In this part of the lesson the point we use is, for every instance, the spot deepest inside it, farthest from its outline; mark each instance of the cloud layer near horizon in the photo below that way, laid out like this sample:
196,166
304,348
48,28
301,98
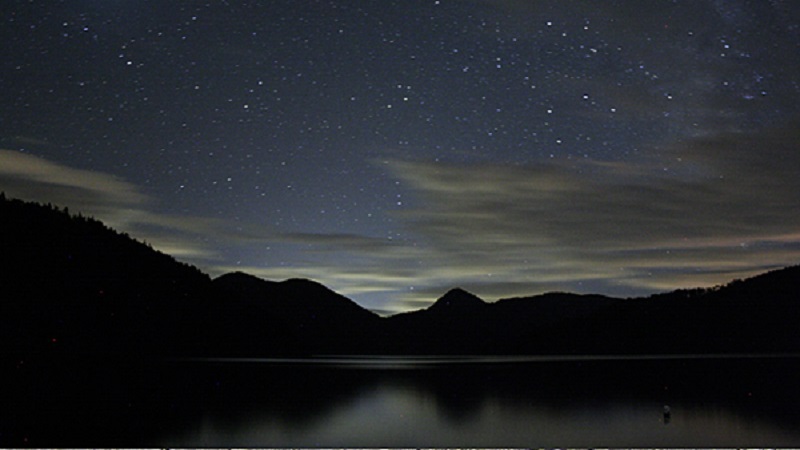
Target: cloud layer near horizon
725,207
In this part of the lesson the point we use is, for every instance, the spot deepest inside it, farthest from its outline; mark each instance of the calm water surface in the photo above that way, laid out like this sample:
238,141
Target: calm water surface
403,402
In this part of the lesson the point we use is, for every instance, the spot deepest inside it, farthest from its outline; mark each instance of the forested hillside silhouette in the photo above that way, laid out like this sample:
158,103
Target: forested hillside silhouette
72,287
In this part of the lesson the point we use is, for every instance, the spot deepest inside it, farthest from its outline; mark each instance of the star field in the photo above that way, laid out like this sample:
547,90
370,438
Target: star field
392,150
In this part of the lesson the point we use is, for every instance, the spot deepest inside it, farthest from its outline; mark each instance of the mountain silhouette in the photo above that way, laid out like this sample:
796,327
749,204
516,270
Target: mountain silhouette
295,299
71,285
457,301
72,288
317,319
455,323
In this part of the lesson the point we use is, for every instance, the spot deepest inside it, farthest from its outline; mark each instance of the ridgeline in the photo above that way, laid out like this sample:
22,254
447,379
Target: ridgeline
73,288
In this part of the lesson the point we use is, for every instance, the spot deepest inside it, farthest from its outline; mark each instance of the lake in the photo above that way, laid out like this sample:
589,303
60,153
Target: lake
407,402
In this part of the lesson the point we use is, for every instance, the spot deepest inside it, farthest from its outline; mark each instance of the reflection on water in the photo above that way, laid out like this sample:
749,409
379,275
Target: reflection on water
358,402
400,418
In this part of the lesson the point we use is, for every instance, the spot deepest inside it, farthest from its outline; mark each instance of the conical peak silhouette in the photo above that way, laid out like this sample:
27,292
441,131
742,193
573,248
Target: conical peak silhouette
458,298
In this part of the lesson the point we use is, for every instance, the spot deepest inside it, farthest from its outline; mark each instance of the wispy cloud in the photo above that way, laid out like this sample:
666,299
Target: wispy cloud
29,174
116,202
725,206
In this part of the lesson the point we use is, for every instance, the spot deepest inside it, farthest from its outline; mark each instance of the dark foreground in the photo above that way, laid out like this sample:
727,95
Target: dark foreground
428,402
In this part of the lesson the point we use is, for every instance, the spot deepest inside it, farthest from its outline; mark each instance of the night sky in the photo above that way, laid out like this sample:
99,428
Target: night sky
392,150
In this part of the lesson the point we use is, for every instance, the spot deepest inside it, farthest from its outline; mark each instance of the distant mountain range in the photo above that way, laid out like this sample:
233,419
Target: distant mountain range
72,287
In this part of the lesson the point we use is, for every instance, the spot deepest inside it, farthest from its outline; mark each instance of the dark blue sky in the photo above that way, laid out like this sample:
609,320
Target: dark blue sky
392,150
